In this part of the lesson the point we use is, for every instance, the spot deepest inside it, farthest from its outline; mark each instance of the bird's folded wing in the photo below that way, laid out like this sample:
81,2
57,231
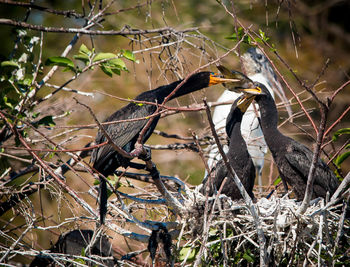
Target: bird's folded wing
301,158
120,132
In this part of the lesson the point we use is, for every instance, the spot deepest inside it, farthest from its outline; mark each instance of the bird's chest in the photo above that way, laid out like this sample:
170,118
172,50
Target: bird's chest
279,156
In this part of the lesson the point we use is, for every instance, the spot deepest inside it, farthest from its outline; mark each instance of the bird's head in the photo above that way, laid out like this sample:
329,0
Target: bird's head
239,83
259,68
238,108
257,63
244,101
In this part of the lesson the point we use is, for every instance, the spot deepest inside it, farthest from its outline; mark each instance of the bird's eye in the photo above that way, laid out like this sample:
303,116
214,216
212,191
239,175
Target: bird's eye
259,57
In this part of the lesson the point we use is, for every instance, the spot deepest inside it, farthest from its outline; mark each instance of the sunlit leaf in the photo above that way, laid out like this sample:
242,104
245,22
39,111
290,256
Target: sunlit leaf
10,63
59,61
277,181
82,57
7,102
340,132
263,35
239,35
129,55
84,50
35,115
83,252
184,251
340,159
117,62
103,56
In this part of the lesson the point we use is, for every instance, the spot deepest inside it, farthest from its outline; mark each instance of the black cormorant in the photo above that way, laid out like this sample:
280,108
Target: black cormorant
293,159
237,154
125,134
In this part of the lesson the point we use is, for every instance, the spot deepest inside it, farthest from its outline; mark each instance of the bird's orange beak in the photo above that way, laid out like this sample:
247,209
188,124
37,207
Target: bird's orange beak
216,78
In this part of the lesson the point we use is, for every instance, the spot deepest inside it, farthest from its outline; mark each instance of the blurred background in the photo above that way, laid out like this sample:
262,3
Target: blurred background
305,34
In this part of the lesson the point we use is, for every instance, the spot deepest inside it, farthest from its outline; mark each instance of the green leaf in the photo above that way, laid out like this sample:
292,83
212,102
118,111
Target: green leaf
107,70
82,57
213,231
10,63
248,257
103,56
35,115
273,48
277,181
114,181
84,50
340,132
117,62
27,81
184,251
83,252
263,35
7,102
59,61
340,159
129,55
239,35
47,121
116,71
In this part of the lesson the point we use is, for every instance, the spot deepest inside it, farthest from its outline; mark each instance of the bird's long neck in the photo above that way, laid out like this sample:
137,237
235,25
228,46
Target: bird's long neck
237,144
238,152
269,118
194,83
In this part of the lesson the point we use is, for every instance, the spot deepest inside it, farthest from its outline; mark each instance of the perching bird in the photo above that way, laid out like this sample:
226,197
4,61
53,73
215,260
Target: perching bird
257,68
125,134
293,159
237,154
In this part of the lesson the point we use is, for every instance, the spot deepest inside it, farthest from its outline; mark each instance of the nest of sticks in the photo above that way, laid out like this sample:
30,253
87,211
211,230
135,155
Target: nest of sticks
219,231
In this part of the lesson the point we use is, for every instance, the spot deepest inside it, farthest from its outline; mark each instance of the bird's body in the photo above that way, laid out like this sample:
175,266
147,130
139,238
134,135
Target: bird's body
238,156
125,134
250,128
260,70
293,159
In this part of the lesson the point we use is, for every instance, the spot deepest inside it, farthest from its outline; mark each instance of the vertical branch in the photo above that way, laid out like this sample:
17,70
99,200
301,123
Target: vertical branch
315,157
248,201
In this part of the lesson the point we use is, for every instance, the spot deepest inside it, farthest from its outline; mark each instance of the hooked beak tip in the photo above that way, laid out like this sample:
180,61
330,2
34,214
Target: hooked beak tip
252,91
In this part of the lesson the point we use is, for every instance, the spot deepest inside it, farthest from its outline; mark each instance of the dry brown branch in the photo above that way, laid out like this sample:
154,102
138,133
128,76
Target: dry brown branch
68,13
91,32
248,201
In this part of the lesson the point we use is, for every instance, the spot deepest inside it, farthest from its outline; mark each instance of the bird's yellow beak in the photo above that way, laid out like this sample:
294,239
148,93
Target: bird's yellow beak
252,91
245,102
216,78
